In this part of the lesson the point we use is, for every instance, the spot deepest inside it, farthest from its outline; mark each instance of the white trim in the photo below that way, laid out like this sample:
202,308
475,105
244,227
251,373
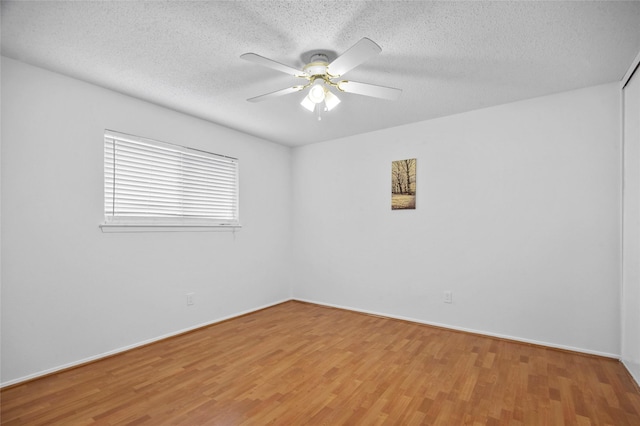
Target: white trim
111,227
629,73
134,345
347,308
467,330
635,374
621,217
635,66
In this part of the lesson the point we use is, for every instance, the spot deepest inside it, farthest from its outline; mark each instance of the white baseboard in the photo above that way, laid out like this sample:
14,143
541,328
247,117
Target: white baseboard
133,346
467,330
348,308
633,372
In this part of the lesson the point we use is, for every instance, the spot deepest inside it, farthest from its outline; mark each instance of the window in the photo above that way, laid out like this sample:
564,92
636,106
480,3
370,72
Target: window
150,183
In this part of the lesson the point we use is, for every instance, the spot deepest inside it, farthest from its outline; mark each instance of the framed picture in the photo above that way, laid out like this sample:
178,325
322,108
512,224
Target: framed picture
403,184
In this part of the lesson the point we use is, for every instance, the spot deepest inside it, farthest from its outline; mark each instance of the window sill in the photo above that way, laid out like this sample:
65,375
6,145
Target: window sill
157,227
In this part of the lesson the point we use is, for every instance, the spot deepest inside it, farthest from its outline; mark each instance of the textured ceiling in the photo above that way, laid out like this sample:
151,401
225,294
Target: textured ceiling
448,57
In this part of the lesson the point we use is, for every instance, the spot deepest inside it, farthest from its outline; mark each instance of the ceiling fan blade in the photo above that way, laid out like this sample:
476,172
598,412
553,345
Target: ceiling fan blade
373,90
261,60
357,54
276,94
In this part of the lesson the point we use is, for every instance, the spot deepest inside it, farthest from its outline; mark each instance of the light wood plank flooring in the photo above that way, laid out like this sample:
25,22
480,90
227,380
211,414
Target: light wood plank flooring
302,364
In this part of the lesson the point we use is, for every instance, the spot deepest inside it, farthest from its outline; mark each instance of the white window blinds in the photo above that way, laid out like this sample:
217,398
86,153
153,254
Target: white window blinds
150,182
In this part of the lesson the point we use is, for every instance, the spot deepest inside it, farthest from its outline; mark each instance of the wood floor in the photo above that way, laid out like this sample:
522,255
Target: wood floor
302,364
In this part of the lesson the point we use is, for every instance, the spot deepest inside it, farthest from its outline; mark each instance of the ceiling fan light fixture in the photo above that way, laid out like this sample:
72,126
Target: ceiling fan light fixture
321,76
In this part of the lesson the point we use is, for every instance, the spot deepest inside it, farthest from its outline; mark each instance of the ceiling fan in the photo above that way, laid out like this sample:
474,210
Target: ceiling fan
321,76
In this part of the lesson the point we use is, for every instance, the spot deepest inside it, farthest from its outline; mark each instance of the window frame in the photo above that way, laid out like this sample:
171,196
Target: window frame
128,223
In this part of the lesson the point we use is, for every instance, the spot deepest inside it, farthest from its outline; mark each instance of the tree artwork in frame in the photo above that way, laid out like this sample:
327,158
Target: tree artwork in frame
403,184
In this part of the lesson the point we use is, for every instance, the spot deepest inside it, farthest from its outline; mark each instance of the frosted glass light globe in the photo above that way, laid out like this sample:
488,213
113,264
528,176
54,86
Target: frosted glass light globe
316,94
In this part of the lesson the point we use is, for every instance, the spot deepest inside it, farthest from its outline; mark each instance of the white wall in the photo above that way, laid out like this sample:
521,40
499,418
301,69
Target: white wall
518,213
71,292
631,229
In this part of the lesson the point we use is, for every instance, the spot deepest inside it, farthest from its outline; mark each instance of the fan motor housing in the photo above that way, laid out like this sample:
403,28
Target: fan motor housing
318,63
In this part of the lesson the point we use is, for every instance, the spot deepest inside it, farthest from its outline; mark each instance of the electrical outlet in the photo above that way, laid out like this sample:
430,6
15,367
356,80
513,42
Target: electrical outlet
448,297
190,298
